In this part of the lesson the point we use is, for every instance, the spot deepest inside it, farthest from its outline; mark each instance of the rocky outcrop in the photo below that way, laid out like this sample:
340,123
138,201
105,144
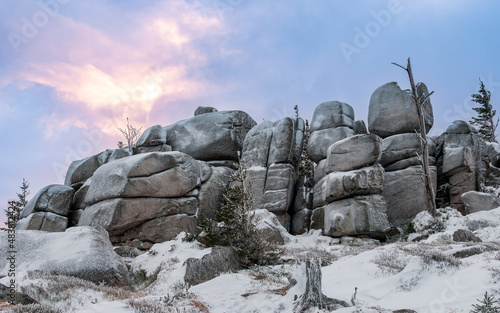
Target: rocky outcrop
331,122
363,215
83,252
339,185
271,154
152,139
347,201
148,197
459,163
393,111
48,210
210,136
80,170
405,193
203,110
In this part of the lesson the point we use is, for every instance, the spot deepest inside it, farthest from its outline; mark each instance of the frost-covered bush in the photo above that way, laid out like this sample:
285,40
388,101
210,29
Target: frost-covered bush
34,308
391,261
144,305
425,224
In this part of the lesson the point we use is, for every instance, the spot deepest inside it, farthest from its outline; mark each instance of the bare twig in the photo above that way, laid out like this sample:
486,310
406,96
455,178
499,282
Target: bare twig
131,134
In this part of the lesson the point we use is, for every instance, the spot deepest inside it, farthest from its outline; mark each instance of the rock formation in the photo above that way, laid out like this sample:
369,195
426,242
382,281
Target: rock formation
271,155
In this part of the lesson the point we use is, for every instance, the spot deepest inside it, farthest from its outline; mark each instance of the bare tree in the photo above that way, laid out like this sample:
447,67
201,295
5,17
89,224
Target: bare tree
419,102
131,134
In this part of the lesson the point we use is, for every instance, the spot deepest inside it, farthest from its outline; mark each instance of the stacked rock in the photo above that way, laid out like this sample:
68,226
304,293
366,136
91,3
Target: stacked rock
48,210
393,116
271,155
459,160
347,201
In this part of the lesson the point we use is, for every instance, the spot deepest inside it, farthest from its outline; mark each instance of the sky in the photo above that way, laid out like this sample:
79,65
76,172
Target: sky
71,71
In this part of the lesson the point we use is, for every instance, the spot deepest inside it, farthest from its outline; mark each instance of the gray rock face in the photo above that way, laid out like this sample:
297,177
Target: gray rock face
128,252
45,221
80,170
332,114
300,222
269,143
17,297
214,136
82,252
153,136
405,193
321,140
220,260
401,147
121,214
53,198
479,201
460,160
463,235
156,174
359,127
363,215
335,186
353,152
271,153
393,111
204,110
211,193
158,230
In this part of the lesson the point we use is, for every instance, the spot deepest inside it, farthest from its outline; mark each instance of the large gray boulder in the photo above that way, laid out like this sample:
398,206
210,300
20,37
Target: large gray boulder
80,170
53,198
321,140
352,153
153,136
155,174
335,186
121,214
45,221
393,111
83,252
204,110
300,222
362,215
479,201
405,193
278,142
221,260
403,149
157,230
332,114
214,136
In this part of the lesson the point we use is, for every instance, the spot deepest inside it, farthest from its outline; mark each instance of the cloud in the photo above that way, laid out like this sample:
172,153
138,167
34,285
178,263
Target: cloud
104,76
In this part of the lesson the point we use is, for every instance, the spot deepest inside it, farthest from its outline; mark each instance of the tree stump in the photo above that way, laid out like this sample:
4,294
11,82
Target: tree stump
313,296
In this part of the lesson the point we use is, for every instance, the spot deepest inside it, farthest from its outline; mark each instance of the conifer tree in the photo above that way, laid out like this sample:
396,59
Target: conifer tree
15,207
487,305
306,166
234,224
485,119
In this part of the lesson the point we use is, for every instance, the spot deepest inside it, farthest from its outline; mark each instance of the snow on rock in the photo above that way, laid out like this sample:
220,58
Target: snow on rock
83,252
483,219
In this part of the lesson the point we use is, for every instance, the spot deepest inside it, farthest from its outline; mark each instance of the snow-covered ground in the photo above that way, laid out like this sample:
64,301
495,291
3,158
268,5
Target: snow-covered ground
423,276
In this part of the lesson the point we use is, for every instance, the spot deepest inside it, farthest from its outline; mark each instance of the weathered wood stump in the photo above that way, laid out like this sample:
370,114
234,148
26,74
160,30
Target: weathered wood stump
313,296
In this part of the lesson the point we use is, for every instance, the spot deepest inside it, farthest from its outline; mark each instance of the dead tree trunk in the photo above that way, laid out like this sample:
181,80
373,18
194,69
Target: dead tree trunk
313,296
419,102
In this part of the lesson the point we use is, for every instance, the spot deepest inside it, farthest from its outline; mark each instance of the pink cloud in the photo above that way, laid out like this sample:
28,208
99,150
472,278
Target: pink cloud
101,78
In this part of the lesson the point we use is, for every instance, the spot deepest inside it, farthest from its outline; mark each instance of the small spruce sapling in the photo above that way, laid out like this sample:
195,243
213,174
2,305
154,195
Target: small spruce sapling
15,207
487,305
